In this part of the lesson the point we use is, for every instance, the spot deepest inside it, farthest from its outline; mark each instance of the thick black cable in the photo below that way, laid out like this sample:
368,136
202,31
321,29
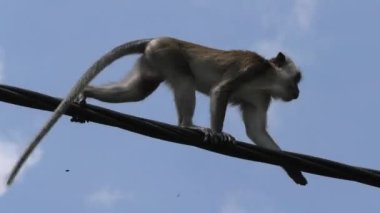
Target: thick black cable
167,132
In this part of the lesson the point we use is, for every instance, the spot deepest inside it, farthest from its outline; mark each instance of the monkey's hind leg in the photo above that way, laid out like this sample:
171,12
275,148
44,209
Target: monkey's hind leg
133,89
139,84
184,96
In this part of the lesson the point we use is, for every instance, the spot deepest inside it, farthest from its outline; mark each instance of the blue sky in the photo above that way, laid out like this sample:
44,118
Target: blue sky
46,45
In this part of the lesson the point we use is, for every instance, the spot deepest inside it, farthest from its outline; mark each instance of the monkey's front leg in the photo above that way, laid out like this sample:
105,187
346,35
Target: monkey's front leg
184,95
218,106
255,122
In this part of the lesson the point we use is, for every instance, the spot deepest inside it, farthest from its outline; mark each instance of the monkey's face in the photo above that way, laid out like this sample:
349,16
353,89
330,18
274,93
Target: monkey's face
286,79
286,89
290,90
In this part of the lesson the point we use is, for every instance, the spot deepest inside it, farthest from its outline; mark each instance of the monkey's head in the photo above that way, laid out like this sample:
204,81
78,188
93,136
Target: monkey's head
286,78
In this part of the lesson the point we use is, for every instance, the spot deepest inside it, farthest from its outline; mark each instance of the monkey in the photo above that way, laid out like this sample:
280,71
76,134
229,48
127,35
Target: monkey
238,77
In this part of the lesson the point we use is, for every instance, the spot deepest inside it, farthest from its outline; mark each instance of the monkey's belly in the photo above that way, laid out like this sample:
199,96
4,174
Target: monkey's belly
206,77
203,88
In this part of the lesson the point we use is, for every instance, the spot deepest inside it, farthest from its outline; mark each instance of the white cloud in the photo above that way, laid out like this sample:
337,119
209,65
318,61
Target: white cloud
304,13
106,197
246,201
9,154
284,24
232,207
270,47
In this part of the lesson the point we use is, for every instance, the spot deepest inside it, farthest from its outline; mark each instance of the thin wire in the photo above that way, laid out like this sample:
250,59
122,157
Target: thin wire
171,133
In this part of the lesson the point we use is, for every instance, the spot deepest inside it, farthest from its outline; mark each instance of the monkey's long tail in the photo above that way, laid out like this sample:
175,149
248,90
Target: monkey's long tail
138,46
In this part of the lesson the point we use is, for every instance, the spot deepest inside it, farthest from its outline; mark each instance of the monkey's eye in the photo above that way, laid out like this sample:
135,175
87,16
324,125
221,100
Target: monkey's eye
298,77
290,87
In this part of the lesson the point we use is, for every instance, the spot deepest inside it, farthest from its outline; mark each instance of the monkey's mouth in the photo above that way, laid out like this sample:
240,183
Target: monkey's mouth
283,98
288,98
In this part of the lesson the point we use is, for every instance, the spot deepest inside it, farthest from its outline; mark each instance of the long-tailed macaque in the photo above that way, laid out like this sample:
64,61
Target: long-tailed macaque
239,77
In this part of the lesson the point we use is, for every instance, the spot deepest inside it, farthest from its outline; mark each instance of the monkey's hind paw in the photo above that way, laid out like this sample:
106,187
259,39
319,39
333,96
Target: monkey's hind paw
79,119
81,101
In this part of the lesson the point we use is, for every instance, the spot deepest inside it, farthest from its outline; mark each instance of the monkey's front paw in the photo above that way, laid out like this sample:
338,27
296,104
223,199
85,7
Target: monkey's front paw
215,138
297,176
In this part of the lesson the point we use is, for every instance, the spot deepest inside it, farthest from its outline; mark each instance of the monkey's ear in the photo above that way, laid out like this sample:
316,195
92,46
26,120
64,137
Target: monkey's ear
280,59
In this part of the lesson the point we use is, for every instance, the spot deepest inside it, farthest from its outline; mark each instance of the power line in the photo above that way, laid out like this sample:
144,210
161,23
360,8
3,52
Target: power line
171,133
